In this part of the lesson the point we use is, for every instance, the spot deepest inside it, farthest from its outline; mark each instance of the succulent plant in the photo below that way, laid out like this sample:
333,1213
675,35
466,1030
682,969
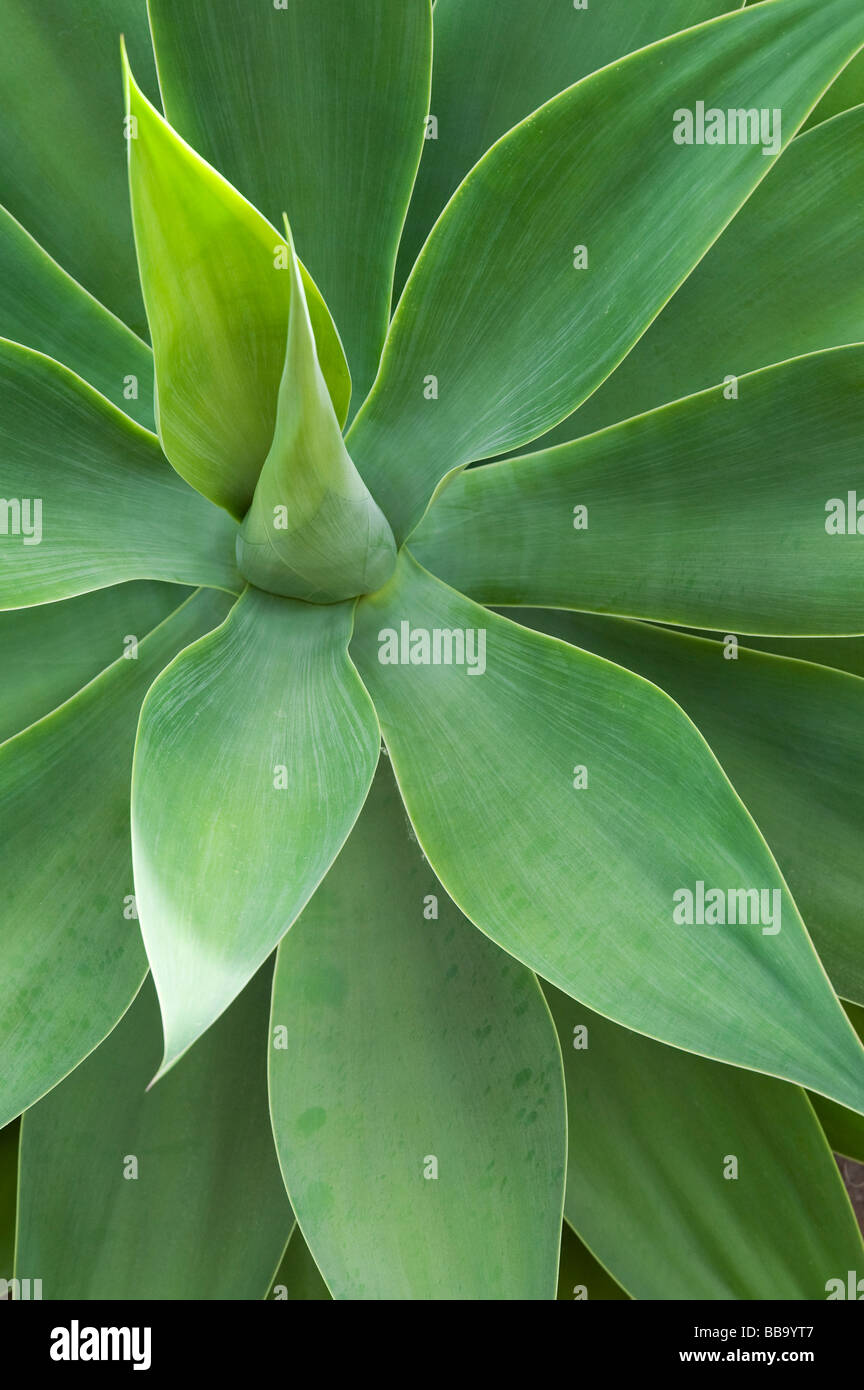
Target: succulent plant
266,401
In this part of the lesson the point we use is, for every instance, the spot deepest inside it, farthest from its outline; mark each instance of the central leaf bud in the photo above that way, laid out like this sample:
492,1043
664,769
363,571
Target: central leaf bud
313,531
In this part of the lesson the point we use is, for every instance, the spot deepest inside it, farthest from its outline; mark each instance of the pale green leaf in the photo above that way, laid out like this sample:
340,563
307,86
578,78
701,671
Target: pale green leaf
88,497
415,1085
173,1193
215,274
738,511
264,734
693,1180
498,335
316,109
584,883
70,943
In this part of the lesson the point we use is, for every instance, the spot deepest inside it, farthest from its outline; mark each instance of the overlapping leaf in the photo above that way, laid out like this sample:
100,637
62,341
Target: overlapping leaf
44,308
314,109
173,1193
216,282
788,734
56,648
62,152
515,751
88,497
264,735
693,1180
500,333
71,949
736,511
404,1039
785,278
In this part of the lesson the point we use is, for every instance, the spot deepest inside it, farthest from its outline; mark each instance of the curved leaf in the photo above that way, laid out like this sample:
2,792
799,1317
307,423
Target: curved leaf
710,512
402,1038
171,1194
44,308
264,732
469,370
693,1180
214,274
72,954
88,497
840,653
317,110
528,753
785,278
845,92
62,152
788,734
56,648
313,531
496,61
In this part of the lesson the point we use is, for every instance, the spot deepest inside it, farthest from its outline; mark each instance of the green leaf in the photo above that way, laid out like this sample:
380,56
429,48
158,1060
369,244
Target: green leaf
845,92
785,278
264,732
496,61
317,109
844,1129
56,648
88,497
313,531
710,512
8,1196
495,312
491,755
693,1180
62,152
582,1277
298,1278
71,949
841,653
169,1194
415,1085
44,308
788,735
215,274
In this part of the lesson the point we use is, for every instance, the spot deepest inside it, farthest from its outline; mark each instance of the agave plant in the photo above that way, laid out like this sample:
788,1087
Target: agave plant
542,950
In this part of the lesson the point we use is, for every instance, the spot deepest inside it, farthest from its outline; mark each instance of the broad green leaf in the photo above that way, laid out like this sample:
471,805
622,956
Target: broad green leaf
173,1193
499,334
316,109
215,275
785,278
845,92
713,511
56,648
496,61
62,151
263,733
88,497
580,1276
8,1197
788,735
415,1085
70,944
44,308
844,1129
693,1180
313,531
298,1278
592,885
